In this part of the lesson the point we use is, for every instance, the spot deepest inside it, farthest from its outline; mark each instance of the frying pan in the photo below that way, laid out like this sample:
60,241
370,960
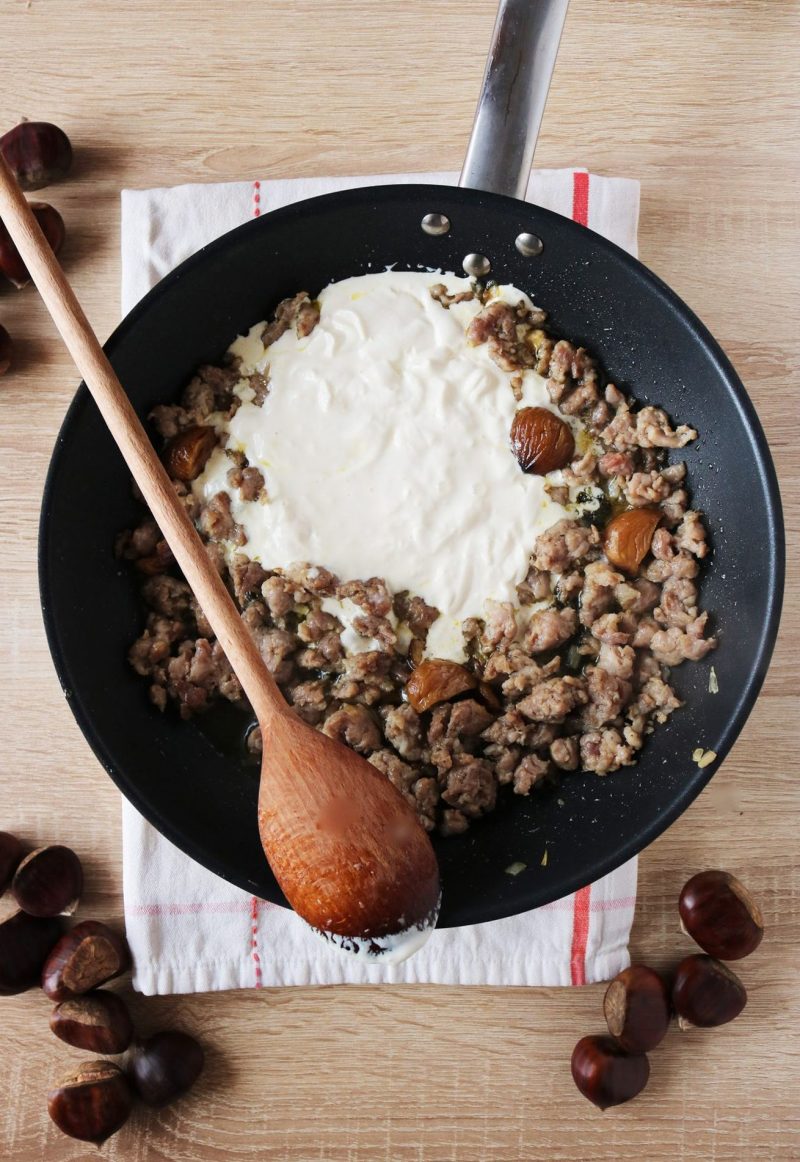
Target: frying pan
185,777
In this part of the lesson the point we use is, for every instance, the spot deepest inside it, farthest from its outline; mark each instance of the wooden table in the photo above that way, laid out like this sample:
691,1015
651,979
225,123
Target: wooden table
699,102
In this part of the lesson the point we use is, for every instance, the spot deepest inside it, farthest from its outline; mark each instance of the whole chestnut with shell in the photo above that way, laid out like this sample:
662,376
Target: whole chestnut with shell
164,1066
607,1075
719,913
37,153
52,225
92,1102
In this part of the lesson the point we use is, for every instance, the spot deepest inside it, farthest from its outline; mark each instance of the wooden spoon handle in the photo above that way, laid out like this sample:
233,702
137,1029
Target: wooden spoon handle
134,444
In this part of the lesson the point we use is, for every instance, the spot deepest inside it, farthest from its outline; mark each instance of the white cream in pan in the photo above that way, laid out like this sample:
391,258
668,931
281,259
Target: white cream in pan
384,445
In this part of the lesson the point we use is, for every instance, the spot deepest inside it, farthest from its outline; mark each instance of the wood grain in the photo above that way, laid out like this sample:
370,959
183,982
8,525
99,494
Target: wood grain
699,102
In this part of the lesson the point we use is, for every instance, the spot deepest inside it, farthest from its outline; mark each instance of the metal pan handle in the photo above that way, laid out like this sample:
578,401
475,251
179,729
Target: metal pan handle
521,61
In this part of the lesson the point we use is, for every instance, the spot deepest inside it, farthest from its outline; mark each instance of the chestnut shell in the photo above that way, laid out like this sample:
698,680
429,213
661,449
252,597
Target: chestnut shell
720,915
11,264
49,881
87,956
637,1008
706,993
98,1022
607,1075
165,1065
37,152
92,1102
25,943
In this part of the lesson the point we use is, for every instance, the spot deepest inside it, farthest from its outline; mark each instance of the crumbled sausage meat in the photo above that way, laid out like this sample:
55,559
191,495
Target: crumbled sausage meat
527,717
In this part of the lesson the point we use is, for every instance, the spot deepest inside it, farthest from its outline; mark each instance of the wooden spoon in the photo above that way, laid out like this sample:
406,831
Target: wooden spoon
348,851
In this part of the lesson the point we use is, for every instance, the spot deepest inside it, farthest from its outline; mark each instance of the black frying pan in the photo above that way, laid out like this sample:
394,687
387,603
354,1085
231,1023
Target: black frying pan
181,776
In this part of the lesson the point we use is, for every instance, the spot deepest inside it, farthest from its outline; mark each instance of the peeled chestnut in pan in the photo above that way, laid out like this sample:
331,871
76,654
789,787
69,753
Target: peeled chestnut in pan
49,882
719,913
25,943
6,349
706,993
37,153
605,1073
637,1009
92,1101
98,1021
87,956
52,224
11,848
165,1066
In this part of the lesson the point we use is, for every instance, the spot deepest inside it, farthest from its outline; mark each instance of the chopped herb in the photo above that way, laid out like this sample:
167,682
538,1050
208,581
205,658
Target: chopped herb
713,684
515,868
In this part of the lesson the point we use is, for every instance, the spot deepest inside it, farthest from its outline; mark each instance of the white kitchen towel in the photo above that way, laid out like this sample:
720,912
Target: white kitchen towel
190,931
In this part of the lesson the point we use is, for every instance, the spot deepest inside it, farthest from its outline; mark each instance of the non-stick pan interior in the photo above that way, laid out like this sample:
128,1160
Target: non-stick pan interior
596,295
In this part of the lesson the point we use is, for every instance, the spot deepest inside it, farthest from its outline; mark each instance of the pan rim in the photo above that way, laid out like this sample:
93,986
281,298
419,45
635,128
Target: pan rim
713,352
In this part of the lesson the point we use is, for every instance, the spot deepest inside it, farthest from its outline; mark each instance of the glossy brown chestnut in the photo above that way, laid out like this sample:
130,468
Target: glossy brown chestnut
628,536
541,441
165,1066
37,153
52,224
437,680
637,1009
6,353
25,943
186,454
92,1101
11,848
87,956
49,882
605,1073
719,913
706,993
98,1022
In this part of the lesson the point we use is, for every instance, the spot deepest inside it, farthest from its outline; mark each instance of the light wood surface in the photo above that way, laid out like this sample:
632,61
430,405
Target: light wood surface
699,101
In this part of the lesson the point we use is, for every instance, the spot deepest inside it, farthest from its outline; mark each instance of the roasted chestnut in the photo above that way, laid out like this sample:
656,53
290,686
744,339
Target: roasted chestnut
165,1066
437,680
628,536
637,1009
541,441
719,913
92,1101
25,943
98,1021
37,153
11,848
49,882
605,1073
706,993
186,454
87,956
11,264
6,350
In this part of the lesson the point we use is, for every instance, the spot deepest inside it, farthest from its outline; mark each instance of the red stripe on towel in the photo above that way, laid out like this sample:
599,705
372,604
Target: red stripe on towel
254,940
580,198
256,199
580,935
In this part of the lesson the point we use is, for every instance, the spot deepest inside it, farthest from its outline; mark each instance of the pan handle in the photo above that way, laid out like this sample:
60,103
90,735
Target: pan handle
521,61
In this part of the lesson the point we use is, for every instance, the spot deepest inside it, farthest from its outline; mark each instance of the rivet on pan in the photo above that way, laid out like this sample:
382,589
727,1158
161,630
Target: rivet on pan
435,224
529,245
476,265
